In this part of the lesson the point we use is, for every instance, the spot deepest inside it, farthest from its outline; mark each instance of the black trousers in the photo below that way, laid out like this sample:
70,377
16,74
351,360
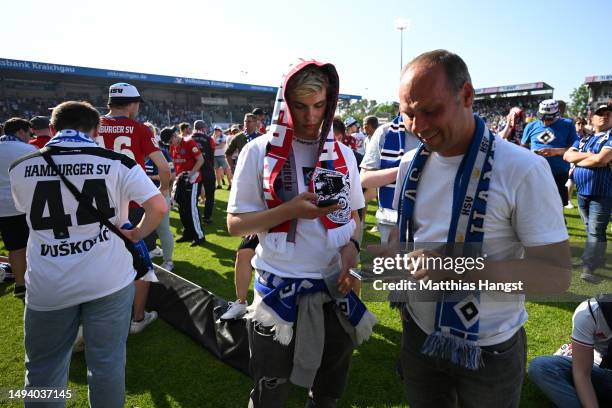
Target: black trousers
208,182
435,383
271,364
186,196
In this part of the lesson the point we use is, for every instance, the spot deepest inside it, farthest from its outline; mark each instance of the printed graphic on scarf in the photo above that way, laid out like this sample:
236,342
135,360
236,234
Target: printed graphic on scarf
332,184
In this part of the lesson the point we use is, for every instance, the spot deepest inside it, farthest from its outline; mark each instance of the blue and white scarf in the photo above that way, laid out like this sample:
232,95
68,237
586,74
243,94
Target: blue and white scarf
455,337
251,136
10,138
278,306
390,156
70,136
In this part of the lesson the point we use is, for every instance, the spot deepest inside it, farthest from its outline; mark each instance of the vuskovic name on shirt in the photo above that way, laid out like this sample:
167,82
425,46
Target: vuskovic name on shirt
104,129
65,248
68,169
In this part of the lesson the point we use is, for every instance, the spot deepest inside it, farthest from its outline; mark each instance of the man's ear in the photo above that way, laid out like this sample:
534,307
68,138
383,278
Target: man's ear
468,94
94,132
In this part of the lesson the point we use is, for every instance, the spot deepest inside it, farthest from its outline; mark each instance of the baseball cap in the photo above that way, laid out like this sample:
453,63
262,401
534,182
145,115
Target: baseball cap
122,92
599,107
199,124
40,122
350,121
217,127
548,109
257,111
166,134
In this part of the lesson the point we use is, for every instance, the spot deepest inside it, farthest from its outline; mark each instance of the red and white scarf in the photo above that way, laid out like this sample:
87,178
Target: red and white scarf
339,224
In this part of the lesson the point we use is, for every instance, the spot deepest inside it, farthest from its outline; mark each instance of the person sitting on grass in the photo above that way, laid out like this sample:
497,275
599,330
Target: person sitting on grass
580,373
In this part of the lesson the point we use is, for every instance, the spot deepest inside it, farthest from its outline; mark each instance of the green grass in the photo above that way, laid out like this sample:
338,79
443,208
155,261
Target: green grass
167,369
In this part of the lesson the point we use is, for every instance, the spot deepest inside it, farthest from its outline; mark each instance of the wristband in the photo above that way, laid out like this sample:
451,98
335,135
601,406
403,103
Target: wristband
357,246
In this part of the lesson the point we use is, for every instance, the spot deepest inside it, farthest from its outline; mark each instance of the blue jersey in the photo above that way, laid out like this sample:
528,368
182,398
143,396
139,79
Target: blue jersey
151,168
594,181
561,133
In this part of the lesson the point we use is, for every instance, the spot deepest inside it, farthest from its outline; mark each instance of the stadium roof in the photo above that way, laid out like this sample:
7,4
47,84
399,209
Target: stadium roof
598,78
43,67
533,86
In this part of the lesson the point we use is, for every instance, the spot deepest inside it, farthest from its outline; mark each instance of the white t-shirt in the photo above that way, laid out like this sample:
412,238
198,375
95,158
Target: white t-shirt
311,253
9,152
221,145
591,331
523,207
77,262
359,139
371,161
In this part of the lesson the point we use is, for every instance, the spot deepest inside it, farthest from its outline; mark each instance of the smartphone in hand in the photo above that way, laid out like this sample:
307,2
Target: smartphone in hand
327,203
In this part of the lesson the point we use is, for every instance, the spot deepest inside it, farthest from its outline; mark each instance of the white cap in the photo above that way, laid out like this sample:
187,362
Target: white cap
123,92
548,107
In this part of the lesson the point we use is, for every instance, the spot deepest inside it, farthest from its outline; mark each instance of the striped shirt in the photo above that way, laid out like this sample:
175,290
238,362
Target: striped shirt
594,181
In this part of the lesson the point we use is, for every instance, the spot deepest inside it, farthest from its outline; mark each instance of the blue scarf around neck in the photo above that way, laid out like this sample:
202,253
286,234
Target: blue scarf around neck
456,327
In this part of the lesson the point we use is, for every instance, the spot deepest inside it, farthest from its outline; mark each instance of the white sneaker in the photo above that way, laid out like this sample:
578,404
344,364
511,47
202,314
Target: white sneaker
569,205
168,265
155,253
137,327
79,342
235,310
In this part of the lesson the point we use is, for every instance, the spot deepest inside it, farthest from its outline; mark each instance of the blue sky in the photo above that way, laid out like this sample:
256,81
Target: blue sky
502,42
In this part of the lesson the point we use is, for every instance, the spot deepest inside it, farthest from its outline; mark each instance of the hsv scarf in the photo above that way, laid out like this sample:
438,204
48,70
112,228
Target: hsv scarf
457,322
278,306
71,136
251,136
390,156
330,169
10,138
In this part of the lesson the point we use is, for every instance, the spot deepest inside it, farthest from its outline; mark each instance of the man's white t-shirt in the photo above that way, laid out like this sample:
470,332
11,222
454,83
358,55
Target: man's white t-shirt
310,253
221,145
10,151
359,139
523,207
591,329
371,161
84,262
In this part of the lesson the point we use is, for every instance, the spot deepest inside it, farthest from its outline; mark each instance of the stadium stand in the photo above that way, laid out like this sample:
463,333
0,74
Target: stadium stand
29,88
494,103
600,89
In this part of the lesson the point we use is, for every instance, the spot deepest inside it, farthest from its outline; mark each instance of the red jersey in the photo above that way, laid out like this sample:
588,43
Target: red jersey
184,156
127,136
40,141
350,141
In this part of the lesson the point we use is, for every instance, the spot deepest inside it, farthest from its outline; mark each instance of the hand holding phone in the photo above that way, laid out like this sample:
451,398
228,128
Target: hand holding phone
327,203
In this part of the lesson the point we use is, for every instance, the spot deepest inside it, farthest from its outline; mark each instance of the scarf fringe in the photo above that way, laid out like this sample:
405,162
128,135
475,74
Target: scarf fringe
337,237
459,351
364,328
150,276
261,313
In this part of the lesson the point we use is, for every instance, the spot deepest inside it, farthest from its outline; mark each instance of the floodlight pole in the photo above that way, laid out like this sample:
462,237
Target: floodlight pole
401,24
401,48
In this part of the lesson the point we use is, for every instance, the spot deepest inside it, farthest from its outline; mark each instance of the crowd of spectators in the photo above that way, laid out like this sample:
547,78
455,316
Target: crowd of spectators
159,113
495,111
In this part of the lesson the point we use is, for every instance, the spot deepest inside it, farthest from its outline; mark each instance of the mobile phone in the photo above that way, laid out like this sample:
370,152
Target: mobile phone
327,203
